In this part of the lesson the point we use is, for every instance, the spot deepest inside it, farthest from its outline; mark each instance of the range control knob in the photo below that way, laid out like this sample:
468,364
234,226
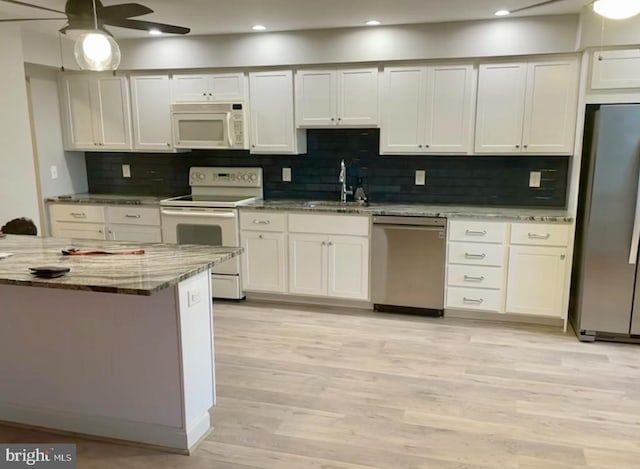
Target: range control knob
201,176
245,177
254,177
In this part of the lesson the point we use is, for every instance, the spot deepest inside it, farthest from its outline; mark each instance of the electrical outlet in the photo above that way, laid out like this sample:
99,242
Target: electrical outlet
193,297
421,175
126,171
286,174
534,178
54,172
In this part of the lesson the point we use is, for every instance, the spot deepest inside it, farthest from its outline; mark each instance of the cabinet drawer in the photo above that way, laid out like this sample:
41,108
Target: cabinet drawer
476,254
477,231
470,298
329,224
76,212
262,221
475,276
134,215
541,234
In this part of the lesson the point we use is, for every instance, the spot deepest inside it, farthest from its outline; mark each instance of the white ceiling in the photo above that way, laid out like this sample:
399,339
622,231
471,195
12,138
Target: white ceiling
237,16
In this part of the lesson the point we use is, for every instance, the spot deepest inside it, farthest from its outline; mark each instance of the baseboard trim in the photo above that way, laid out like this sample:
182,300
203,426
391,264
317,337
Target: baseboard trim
500,317
104,428
309,300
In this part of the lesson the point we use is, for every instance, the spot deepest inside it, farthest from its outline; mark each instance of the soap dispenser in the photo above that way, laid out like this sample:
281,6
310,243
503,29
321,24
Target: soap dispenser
359,195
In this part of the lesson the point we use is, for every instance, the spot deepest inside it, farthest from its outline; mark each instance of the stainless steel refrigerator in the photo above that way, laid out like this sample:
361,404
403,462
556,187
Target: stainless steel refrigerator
605,288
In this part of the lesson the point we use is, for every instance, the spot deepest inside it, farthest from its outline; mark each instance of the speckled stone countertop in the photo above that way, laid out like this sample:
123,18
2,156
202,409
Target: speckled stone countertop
161,266
416,210
113,199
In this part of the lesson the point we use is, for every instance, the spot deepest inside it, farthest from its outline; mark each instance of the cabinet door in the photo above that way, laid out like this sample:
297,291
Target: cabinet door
227,87
272,127
113,115
142,234
77,114
536,280
189,88
77,230
501,93
403,110
550,107
615,69
263,261
316,98
357,97
348,267
151,108
449,114
308,264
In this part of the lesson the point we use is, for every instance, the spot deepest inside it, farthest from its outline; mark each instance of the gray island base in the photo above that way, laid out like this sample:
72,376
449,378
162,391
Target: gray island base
119,348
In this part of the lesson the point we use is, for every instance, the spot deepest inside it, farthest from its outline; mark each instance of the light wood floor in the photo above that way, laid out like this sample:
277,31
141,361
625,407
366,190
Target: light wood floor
311,388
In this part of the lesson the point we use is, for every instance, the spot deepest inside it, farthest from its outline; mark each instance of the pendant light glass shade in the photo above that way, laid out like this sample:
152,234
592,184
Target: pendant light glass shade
617,9
97,51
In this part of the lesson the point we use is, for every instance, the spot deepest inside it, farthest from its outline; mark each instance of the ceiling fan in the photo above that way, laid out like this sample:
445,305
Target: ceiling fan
80,15
95,49
612,9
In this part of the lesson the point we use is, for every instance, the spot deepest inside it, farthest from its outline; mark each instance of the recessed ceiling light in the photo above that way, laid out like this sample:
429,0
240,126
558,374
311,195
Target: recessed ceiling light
259,27
502,13
373,23
155,32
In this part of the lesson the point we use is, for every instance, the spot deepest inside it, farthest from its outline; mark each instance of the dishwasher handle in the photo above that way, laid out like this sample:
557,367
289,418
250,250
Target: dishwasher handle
410,227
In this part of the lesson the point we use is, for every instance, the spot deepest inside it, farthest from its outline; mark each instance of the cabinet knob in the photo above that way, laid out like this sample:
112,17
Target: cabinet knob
168,144
517,146
204,94
260,236
330,243
253,146
100,231
426,146
525,146
333,119
324,243
419,146
210,94
339,118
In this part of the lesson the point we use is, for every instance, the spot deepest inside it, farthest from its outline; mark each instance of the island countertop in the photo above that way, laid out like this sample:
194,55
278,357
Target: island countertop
161,266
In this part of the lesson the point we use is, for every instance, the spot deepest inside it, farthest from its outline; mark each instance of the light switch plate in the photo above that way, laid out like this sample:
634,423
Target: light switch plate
54,172
534,178
126,171
421,175
286,174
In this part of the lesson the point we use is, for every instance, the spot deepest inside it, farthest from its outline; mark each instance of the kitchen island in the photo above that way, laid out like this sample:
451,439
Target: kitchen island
121,347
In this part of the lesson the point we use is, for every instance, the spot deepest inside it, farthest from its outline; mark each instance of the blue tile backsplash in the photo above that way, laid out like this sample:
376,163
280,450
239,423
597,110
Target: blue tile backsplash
474,180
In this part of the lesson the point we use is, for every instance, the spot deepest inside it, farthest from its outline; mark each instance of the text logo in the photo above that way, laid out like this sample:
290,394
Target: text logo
37,456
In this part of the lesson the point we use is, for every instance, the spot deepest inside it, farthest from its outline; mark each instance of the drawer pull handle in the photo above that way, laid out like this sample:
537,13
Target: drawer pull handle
474,256
475,233
79,214
474,301
469,278
261,222
539,236
132,216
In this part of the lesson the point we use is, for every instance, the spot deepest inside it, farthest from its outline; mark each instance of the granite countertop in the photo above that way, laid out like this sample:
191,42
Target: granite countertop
114,199
161,266
417,210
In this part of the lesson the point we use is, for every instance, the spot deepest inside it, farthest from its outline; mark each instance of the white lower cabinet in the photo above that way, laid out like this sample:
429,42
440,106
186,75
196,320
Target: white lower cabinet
141,234
334,266
263,261
78,230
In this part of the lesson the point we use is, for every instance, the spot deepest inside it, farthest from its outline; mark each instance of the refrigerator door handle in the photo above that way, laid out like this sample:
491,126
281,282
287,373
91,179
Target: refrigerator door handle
635,238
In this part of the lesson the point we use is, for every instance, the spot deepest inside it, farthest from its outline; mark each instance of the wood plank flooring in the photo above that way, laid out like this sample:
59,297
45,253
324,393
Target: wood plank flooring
333,389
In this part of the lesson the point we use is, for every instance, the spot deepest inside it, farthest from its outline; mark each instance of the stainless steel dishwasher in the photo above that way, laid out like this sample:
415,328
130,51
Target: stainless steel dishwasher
408,259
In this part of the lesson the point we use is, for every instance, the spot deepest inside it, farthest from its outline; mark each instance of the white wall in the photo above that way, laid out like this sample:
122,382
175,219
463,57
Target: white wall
45,49
47,127
503,37
18,189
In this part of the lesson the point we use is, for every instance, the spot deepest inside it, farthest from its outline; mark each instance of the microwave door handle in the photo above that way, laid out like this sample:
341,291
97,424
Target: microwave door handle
229,134
200,214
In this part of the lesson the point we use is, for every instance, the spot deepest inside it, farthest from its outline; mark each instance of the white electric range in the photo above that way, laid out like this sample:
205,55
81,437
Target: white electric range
209,215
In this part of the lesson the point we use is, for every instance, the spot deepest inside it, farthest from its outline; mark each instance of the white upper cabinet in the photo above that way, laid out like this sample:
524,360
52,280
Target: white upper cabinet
96,113
150,109
208,87
428,109
272,125
527,107
613,69
347,97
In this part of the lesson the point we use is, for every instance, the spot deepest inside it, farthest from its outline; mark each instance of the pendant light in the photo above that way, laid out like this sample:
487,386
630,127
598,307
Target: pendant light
96,50
617,9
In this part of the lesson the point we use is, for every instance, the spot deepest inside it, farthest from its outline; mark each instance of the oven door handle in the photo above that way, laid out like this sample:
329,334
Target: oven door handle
200,214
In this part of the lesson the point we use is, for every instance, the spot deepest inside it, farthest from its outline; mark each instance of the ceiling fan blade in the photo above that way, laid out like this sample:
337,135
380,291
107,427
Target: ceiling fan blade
31,19
145,25
124,10
535,5
24,4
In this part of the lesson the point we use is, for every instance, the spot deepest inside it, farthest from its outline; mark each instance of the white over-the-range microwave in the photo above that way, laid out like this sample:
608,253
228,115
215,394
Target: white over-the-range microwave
210,125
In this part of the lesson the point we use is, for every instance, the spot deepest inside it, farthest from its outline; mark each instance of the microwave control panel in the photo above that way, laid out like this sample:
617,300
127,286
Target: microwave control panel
238,123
